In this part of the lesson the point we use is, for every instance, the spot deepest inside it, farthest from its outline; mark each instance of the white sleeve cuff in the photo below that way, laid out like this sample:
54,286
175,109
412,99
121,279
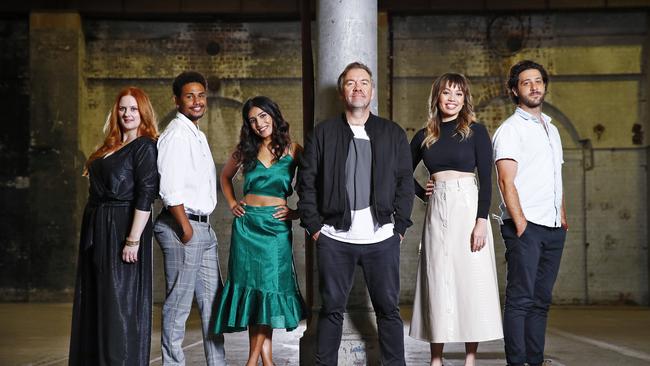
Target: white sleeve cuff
172,199
505,155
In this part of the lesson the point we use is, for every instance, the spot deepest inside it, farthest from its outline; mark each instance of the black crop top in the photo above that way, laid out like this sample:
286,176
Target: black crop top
449,153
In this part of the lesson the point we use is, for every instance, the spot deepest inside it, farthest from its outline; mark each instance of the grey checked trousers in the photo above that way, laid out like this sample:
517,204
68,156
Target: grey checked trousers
191,269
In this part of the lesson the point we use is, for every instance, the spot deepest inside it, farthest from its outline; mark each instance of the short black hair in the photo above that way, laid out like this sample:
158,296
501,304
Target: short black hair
187,77
517,69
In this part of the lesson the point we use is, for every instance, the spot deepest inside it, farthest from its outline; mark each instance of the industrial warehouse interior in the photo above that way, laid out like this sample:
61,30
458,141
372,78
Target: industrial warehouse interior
62,63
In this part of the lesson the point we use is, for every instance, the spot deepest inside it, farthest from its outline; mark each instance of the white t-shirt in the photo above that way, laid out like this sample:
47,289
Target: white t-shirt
364,228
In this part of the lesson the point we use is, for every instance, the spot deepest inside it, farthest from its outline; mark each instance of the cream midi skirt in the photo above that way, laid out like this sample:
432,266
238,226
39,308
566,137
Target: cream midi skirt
456,291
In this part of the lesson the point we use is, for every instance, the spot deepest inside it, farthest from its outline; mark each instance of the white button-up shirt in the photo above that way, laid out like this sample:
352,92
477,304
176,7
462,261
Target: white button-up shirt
536,147
188,175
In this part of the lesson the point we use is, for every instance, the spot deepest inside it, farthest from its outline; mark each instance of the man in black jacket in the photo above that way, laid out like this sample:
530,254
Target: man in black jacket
356,195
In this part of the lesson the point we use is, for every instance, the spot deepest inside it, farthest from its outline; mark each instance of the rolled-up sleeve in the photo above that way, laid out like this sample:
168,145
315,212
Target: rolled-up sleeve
173,157
506,143
146,175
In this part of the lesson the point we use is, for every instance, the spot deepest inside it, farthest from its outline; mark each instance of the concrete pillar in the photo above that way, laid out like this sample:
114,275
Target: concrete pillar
57,190
384,65
346,32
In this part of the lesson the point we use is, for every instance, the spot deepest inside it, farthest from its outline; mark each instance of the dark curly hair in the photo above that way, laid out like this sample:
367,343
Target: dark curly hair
249,142
518,68
187,77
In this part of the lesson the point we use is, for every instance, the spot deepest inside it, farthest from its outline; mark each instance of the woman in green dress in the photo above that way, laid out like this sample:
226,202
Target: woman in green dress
261,292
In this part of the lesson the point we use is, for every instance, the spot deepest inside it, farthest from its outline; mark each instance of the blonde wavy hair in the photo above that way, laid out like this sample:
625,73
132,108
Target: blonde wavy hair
465,116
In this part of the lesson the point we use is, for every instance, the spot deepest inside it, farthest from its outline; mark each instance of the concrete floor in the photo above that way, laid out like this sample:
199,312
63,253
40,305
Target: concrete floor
37,334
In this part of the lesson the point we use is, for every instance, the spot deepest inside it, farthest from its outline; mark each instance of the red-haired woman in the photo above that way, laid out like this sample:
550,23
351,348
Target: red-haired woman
111,317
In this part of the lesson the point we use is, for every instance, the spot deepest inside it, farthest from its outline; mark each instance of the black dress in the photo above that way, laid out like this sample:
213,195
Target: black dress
111,317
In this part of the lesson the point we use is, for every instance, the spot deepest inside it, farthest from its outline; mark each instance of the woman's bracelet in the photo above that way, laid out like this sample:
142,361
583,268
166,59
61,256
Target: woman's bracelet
131,243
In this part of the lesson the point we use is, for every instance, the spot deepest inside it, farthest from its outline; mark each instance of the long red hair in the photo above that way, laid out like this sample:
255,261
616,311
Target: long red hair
113,141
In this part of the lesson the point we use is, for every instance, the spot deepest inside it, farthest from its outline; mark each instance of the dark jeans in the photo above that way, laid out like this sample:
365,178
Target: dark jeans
533,262
380,264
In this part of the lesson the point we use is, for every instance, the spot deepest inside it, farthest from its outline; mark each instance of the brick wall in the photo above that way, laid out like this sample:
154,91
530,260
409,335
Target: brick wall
596,61
253,59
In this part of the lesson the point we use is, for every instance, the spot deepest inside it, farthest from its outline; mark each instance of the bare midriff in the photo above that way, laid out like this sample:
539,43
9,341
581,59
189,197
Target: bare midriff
256,200
449,175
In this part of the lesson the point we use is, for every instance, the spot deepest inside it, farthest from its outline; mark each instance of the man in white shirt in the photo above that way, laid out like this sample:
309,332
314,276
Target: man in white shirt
528,157
189,192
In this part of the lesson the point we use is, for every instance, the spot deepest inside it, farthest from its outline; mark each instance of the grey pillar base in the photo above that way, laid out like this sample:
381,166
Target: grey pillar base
359,342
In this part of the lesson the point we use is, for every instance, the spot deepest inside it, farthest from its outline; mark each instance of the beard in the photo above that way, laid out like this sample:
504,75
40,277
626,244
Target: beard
530,102
192,116
357,103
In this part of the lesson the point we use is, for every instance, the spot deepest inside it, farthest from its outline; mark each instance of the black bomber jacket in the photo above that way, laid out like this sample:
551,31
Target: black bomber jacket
321,177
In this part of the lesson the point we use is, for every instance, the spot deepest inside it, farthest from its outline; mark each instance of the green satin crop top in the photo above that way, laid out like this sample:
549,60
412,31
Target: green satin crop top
274,181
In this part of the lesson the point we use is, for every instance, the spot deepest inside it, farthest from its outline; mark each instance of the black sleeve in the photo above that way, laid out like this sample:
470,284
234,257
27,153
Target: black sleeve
483,156
146,174
307,186
404,191
416,156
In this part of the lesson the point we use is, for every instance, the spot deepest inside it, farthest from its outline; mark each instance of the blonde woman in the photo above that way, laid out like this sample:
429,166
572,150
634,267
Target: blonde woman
456,293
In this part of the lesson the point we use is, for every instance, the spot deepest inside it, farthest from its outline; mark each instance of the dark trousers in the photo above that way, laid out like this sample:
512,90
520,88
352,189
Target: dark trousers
533,262
380,264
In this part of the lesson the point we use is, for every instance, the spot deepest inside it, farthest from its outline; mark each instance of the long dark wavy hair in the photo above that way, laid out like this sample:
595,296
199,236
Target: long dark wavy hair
250,143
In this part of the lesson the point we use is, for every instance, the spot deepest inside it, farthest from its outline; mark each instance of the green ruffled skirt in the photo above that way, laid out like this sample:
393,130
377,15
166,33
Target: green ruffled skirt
261,288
